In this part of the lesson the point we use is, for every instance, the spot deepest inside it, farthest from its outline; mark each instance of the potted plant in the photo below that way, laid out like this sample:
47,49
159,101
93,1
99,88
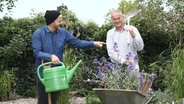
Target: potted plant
120,84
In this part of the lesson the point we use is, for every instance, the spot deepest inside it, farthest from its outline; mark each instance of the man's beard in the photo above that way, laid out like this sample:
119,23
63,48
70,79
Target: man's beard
58,27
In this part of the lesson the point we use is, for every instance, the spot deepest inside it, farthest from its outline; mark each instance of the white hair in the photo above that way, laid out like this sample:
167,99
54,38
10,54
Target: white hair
117,11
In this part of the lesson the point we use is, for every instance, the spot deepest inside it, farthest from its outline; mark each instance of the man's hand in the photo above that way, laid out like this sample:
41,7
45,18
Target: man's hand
126,62
55,59
130,29
99,44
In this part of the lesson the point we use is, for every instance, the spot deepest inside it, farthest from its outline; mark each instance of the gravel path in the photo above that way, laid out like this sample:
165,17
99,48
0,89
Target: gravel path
21,101
74,100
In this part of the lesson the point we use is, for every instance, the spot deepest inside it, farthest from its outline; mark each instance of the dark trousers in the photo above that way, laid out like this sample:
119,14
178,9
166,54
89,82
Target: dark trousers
43,96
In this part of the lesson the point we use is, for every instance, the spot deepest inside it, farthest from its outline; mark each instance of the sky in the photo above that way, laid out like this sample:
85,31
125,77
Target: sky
85,10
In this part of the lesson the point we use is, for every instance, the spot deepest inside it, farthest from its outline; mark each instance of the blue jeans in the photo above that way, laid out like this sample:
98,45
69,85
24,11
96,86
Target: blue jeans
43,96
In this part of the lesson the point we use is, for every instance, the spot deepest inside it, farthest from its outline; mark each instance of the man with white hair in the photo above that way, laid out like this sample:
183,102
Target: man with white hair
122,39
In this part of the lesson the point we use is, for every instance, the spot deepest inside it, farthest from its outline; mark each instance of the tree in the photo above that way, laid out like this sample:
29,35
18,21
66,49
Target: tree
127,5
9,4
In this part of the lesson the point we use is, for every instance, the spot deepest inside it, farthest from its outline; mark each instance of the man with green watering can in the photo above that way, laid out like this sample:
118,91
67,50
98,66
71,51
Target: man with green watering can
48,45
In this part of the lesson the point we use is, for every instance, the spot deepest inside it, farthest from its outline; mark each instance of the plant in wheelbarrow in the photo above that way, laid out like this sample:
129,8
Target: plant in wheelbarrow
121,84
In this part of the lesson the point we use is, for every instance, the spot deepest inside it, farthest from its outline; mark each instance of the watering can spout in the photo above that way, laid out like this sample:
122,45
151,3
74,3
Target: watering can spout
71,72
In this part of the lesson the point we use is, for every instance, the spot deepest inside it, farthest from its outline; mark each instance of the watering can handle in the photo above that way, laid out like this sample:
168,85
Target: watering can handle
39,67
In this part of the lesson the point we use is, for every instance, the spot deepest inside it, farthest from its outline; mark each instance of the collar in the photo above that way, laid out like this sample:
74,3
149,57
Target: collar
48,30
119,31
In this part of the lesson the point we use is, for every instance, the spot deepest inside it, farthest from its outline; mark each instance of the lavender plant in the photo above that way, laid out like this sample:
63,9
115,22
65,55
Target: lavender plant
145,82
117,76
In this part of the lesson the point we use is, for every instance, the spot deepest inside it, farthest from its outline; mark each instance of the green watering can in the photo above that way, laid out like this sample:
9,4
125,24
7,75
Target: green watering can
56,78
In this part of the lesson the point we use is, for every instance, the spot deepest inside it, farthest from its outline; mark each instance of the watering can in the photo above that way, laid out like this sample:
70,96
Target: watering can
56,78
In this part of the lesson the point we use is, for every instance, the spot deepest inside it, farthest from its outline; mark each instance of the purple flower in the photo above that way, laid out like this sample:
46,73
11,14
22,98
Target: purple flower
105,69
95,61
109,64
103,59
140,83
153,76
99,69
149,81
141,77
100,74
115,75
116,67
130,68
136,58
